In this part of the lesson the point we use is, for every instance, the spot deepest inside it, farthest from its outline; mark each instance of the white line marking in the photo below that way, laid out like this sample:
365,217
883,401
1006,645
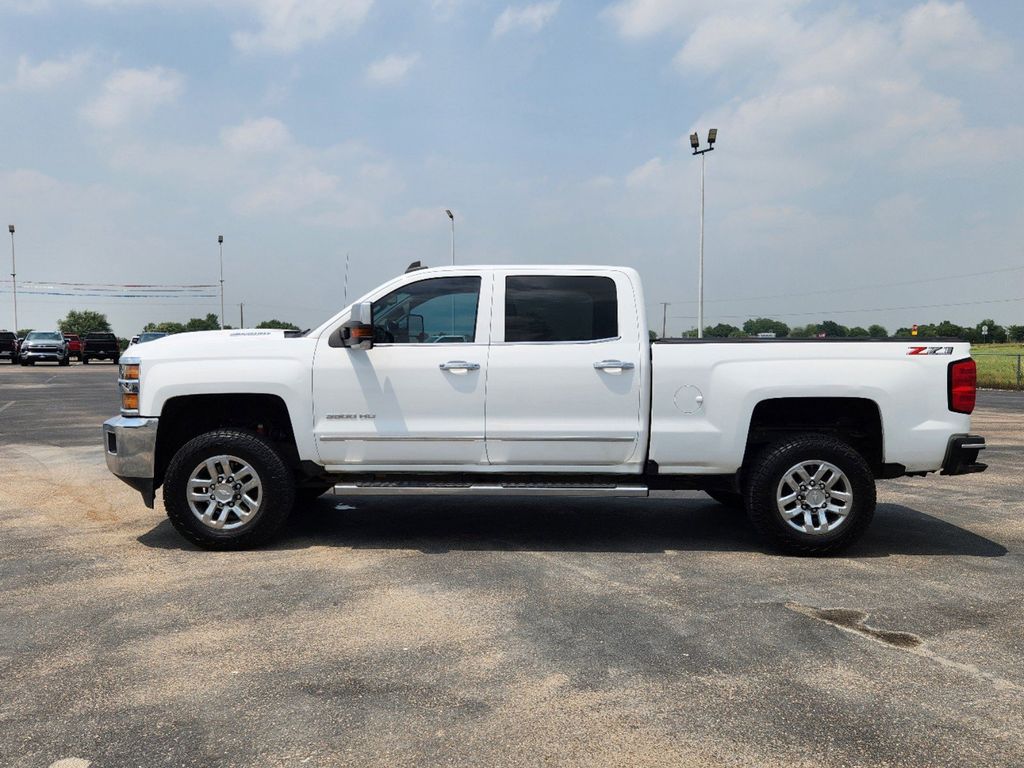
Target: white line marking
5,406
50,379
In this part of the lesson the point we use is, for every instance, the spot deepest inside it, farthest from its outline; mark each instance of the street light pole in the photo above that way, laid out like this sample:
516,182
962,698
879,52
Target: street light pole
220,243
695,144
452,217
664,317
14,280
241,314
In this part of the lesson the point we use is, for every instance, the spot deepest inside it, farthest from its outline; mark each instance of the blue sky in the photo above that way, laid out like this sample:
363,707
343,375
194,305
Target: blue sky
869,153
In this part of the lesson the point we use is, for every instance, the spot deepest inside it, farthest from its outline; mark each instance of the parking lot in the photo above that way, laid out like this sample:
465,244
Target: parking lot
398,631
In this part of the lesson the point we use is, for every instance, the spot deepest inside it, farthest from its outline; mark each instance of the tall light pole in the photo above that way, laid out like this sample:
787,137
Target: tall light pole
664,317
695,144
220,242
241,314
452,217
14,279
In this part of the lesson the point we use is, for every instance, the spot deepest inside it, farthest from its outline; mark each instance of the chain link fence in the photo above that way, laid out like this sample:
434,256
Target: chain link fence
999,370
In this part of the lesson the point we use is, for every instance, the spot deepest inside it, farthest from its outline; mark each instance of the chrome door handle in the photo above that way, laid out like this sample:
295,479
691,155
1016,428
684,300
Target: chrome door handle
459,365
614,365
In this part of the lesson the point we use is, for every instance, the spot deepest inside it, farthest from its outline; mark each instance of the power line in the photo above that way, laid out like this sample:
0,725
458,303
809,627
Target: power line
858,288
825,312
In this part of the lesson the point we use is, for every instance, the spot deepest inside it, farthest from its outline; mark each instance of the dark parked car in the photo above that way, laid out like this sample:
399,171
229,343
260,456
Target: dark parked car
8,346
42,346
74,345
100,346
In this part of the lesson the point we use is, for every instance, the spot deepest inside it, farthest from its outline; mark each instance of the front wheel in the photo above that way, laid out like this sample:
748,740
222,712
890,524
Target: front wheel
228,489
811,494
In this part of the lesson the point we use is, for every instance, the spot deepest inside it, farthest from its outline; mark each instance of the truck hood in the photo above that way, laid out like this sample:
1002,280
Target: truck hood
221,345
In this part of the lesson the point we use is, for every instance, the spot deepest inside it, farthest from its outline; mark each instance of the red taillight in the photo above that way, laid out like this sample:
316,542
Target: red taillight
963,385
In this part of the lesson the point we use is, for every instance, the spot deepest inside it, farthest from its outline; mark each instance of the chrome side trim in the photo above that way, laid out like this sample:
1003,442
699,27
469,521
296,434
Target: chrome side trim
417,439
488,489
379,438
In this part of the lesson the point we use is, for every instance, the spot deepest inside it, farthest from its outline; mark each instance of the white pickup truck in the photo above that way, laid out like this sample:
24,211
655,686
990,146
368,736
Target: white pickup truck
533,380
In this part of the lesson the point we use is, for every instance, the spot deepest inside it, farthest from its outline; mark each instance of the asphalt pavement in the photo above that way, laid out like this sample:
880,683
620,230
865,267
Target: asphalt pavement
443,631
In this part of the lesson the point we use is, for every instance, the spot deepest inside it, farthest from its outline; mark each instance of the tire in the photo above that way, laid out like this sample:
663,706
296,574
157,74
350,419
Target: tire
85,361
24,362
276,490
116,360
65,361
845,520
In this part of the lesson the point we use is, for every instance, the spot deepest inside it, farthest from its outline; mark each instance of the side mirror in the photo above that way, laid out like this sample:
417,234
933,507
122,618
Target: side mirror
357,333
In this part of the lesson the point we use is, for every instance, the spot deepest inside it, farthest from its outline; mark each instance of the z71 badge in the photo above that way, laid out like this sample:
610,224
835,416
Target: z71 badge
930,351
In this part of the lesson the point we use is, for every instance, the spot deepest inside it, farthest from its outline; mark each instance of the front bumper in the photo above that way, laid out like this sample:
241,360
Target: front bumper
130,447
29,354
962,455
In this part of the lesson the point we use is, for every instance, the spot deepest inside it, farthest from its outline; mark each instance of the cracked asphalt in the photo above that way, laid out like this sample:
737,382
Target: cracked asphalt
443,631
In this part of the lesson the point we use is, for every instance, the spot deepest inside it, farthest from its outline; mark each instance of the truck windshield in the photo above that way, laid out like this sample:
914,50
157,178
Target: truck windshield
44,336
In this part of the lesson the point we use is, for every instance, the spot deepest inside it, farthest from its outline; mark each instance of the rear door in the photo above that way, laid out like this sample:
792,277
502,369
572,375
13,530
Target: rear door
564,380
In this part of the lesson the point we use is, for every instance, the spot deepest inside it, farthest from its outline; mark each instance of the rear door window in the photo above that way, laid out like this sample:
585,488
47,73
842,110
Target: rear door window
560,308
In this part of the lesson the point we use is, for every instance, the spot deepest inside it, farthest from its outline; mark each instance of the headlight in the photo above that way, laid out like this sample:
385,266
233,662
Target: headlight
129,382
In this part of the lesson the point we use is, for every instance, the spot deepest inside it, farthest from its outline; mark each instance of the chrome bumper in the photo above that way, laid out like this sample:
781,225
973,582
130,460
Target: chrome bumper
130,447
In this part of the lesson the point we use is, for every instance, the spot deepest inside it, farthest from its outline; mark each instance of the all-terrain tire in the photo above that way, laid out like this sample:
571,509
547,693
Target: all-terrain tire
277,490
763,486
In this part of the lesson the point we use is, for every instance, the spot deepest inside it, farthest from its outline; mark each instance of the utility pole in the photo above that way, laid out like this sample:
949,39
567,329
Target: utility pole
695,143
14,280
452,217
241,314
664,317
220,243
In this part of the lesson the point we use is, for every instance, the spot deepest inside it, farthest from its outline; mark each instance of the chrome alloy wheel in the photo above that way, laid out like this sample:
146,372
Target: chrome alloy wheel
224,492
814,497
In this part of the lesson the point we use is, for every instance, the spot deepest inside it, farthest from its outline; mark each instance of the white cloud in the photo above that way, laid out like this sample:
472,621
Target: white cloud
644,18
287,25
264,134
947,36
49,73
132,93
650,172
391,70
529,18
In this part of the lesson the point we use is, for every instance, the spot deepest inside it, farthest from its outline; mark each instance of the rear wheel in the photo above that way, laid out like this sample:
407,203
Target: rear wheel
811,494
228,489
85,361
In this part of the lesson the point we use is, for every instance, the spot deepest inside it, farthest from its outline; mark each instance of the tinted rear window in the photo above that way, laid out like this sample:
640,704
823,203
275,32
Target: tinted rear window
6,336
560,308
100,336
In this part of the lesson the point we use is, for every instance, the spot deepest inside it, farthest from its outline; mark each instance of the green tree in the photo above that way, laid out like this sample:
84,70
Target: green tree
804,331
720,331
833,329
209,323
84,321
166,327
876,331
1015,332
758,325
275,323
23,332
859,332
996,332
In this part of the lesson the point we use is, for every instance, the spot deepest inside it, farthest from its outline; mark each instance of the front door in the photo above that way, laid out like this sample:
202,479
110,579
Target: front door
416,399
564,380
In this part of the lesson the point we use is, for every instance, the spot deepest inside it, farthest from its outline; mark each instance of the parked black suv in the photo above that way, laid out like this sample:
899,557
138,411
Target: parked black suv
100,346
8,346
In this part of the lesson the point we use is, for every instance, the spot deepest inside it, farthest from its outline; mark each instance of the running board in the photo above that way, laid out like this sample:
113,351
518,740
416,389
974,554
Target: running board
488,489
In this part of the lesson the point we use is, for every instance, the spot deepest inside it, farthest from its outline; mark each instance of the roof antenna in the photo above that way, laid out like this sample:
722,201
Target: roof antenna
414,267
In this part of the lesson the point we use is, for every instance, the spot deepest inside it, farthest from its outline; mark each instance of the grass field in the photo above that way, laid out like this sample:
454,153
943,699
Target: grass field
998,365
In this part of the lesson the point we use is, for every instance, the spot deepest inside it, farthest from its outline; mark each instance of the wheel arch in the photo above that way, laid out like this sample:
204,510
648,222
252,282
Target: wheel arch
856,420
186,416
